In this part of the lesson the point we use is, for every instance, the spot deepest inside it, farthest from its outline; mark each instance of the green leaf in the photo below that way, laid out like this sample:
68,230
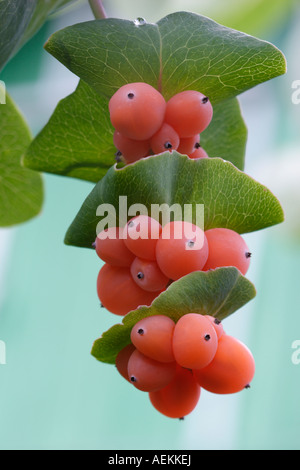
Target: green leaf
182,51
78,139
231,198
21,190
14,19
20,20
226,136
218,293
41,13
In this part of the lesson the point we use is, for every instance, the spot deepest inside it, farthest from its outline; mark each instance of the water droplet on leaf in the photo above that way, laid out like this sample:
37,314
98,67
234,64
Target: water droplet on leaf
139,21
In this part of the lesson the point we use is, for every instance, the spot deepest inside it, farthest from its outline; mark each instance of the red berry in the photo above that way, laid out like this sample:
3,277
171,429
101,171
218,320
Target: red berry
137,110
165,139
153,337
112,249
231,370
147,275
131,150
187,145
118,292
148,375
189,113
179,398
122,360
181,249
140,235
226,248
198,153
217,325
195,341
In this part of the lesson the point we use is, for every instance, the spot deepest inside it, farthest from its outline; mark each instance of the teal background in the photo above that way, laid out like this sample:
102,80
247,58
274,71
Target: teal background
53,393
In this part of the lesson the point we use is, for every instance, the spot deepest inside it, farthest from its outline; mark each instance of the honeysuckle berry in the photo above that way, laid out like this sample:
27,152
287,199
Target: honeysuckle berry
137,110
153,337
226,248
231,370
189,113
179,398
147,374
195,341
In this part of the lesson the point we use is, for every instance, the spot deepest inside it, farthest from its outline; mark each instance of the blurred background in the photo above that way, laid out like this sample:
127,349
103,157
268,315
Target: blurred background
53,393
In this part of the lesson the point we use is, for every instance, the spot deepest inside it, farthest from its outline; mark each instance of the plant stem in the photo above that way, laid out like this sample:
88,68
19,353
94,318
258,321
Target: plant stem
98,9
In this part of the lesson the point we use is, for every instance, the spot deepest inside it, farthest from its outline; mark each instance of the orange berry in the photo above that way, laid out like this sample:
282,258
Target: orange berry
140,235
112,249
189,113
231,370
122,360
198,153
147,275
131,150
165,139
137,110
195,341
153,336
148,375
217,325
179,398
226,248
187,144
118,292
181,249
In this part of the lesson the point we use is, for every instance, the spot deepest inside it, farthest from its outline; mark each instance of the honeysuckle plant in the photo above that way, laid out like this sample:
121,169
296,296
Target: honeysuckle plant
182,51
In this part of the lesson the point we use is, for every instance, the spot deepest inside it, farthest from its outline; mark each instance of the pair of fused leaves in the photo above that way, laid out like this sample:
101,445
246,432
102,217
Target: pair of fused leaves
182,51
231,199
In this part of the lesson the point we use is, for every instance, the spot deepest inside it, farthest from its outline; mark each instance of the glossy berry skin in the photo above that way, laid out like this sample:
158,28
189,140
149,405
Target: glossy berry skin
181,249
149,375
153,336
189,113
226,248
122,360
140,235
165,139
179,398
118,292
198,153
137,110
111,248
231,370
187,145
147,275
195,341
217,325
131,150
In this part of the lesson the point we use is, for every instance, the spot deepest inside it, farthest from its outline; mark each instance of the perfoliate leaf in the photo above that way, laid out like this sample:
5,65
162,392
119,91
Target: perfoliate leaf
183,51
218,293
231,198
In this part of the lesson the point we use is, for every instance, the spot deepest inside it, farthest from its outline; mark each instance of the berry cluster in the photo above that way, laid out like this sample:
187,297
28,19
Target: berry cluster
146,124
173,361
143,258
